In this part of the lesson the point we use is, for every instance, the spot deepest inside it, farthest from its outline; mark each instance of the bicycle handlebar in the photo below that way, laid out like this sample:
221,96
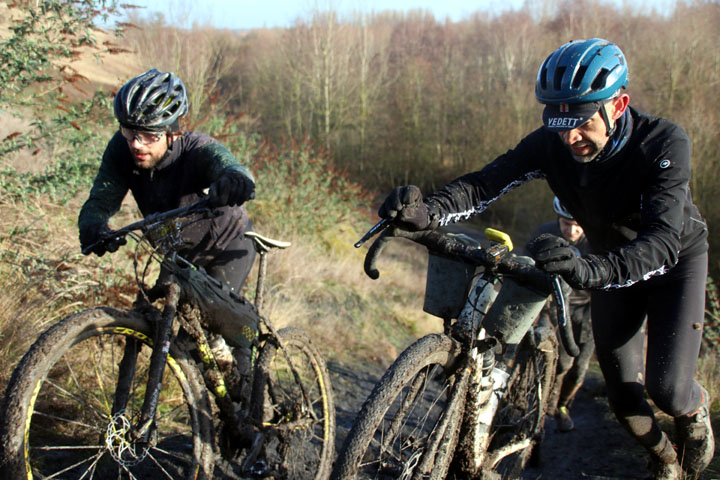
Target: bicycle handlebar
201,206
495,258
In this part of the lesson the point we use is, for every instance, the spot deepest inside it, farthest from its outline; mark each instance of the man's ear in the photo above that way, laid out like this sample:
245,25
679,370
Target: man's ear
620,104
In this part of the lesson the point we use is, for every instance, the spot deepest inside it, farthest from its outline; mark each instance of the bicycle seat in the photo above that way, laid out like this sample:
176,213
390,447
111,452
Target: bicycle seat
265,244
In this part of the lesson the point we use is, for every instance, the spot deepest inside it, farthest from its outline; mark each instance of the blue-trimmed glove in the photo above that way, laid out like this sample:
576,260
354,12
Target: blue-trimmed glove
96,235
405,204
231,188
555,255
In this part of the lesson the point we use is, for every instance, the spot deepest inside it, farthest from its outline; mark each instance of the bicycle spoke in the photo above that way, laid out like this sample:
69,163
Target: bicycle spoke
83,397
97,370
68,447
71,467
103,416
92,468
68,421
152,457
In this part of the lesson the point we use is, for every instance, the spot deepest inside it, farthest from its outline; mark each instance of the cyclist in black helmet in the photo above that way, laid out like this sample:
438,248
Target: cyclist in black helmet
166,168
624,176
570,370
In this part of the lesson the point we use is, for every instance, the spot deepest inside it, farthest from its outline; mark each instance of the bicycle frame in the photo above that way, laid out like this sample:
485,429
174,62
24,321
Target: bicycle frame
237,421
497,312
141,432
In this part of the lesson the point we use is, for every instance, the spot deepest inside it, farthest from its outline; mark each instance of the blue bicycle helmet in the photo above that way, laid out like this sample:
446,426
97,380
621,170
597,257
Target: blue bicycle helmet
582,71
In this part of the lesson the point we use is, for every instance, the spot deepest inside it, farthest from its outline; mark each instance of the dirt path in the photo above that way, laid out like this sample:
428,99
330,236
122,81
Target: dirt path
597,449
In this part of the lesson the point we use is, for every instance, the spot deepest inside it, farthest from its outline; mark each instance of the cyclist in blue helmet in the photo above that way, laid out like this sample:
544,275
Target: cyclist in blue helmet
624,175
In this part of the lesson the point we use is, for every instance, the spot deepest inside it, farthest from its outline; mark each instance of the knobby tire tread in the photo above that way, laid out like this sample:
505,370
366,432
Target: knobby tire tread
432,349
49,349
296,338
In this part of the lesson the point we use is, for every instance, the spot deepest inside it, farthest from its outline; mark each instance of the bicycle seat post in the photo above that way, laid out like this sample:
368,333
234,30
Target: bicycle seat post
259,290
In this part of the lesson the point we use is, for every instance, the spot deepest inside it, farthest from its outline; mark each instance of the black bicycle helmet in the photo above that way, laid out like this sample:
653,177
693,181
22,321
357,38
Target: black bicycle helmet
582,71
152,101
561,210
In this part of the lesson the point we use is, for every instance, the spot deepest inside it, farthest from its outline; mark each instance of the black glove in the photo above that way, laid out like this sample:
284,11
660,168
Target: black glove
98,236
555,255
231,188
405,205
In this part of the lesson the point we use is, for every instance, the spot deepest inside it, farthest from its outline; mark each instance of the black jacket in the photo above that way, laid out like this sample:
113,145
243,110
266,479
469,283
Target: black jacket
194,162
634,206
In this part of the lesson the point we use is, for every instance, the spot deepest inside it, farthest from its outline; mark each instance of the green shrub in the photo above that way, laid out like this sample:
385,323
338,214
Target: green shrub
299,191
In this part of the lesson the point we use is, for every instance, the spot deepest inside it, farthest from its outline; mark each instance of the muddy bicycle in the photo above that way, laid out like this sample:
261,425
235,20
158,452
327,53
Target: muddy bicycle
470,402
93,398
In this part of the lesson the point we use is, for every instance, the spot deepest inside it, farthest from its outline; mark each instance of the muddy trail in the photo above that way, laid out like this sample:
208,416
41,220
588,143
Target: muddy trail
598,448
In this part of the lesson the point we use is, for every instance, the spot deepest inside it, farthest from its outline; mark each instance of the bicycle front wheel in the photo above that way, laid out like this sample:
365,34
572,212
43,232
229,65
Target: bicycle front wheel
519,421
293,396
59,421
408,427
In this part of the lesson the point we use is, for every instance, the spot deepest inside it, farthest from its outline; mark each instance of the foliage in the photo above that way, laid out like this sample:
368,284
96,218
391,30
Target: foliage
711,333
300,192
36,75
405,98
43,35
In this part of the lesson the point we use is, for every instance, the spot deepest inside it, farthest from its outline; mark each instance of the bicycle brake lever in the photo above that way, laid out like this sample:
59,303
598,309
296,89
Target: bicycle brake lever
377,228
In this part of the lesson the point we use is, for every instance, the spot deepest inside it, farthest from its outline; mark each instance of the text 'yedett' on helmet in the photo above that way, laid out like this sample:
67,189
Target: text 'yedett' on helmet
582,71
151,101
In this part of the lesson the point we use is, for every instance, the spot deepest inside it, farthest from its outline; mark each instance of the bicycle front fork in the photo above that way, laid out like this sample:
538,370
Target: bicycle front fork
488,384
143,429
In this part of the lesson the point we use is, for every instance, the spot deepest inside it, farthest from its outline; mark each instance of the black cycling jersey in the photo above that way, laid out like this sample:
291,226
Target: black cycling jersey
634,205
192,164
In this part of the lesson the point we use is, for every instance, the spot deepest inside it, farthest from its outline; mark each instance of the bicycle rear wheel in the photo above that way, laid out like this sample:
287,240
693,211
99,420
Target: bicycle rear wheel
58,422
519,421
297,407
408,427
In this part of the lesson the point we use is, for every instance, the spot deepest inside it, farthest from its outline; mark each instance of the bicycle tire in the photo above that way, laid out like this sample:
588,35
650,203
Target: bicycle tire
57,421
303,426
521,413
391,431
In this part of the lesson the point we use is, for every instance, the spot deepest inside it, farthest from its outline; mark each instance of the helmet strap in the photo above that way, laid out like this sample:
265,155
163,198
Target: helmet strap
604,115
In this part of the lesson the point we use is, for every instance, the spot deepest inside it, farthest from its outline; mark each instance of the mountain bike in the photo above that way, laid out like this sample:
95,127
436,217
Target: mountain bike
470,402
95,398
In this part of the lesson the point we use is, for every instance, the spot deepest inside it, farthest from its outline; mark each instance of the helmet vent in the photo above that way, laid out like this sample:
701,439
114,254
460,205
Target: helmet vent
600,79
557,79
579,76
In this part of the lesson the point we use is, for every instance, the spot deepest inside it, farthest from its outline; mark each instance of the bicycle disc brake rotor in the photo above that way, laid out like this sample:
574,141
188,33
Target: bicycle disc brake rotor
117,442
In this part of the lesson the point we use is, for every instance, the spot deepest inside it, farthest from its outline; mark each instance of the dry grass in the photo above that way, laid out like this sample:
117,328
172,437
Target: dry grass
43,276
323,289
318,287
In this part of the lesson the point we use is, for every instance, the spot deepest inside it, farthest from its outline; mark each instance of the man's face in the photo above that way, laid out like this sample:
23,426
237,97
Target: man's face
588,140
570,229
147,148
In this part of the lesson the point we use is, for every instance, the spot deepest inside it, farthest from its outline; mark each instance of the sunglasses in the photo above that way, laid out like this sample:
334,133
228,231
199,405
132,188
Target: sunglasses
143,138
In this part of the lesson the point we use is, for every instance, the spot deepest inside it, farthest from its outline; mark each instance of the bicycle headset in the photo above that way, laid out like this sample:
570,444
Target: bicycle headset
153,101
582,71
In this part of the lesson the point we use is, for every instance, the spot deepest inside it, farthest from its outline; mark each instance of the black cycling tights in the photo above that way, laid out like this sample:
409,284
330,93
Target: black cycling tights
674,304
